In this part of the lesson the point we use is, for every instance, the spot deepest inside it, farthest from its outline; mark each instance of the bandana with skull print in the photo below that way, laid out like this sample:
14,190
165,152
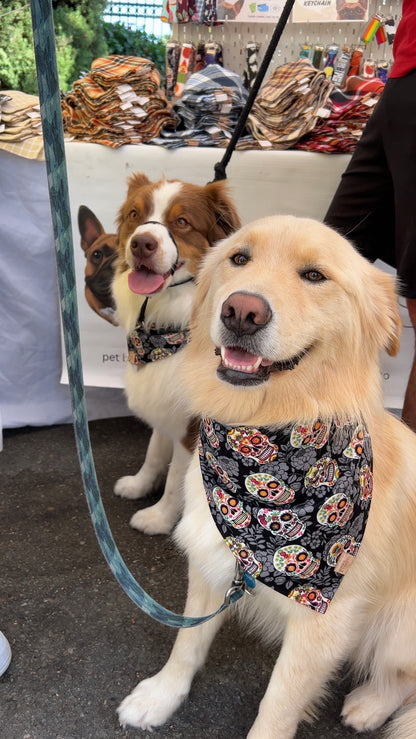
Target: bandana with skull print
292,504
151,344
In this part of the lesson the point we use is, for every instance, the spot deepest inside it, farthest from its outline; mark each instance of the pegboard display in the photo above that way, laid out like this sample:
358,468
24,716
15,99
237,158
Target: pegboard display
235,36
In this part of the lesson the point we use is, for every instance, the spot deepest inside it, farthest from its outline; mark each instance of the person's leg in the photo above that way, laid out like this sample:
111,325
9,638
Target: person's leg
362,208
400,128
409,407
374,206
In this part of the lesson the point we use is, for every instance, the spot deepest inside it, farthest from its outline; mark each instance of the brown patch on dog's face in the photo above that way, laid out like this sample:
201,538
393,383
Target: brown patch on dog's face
297,318
135,210
196,217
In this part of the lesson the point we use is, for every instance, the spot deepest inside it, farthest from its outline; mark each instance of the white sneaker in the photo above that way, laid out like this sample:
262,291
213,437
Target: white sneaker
5,654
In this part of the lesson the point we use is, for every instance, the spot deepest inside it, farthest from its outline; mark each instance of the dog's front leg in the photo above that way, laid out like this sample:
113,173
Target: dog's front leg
161,517
153,470
314,645
154,700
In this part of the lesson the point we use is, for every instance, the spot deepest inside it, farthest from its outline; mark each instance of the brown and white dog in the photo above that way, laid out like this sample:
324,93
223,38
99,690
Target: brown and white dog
287,328
164,230
100,252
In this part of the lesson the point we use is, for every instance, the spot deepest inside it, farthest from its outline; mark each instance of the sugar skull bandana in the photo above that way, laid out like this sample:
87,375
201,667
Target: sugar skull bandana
151,344
291,504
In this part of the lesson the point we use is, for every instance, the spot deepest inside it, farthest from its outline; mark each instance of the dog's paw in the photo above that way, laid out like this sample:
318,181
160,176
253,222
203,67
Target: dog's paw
152,520
150,704
131,486
364,709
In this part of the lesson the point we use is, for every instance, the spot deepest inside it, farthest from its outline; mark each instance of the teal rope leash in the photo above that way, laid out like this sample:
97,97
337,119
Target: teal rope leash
50,106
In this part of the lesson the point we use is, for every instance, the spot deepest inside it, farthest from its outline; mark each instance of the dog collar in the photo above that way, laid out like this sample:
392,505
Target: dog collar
291,504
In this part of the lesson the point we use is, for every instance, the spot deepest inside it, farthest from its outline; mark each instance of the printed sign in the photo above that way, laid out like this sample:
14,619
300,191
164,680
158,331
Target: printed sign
322,11
94,208
104,347
244,11
103,342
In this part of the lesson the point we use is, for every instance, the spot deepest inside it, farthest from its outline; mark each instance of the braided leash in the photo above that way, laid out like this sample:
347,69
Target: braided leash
50,105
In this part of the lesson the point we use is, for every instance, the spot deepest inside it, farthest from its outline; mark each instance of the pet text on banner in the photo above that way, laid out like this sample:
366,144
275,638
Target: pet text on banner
300,183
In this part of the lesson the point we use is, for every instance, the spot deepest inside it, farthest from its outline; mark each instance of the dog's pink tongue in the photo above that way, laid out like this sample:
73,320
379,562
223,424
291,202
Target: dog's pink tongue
144,282
239,356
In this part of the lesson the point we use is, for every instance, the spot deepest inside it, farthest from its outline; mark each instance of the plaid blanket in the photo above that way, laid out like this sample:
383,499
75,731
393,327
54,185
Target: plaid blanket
350,111
20,124
208,110
289,104
118,102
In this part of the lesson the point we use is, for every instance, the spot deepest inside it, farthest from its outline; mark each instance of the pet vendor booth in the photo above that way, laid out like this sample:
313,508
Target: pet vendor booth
322,83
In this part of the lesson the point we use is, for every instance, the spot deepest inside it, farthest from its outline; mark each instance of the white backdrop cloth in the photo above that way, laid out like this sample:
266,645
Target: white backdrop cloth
263,183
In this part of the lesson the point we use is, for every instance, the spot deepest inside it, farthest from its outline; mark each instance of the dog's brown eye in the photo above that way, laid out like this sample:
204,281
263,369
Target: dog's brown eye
133,215
240,259
313,275
97,256
181,222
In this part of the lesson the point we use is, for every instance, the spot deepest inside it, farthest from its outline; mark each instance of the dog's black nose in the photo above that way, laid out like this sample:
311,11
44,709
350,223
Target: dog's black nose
245,313
143,244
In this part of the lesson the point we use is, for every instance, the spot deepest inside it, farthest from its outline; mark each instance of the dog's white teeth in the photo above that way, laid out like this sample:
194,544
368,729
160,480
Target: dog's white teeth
246,366
257,363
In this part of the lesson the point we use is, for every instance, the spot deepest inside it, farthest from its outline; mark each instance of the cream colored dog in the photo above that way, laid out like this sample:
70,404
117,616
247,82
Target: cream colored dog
287,327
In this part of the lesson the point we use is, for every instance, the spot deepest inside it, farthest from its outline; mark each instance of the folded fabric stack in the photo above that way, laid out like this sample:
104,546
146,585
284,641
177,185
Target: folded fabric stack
289,105
20,124
208,110
118,102
350,111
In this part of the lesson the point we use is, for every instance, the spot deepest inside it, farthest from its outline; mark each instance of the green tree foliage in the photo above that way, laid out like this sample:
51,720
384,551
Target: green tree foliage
80,35
17,58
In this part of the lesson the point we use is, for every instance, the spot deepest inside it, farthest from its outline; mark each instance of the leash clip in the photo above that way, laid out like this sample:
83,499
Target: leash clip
242,583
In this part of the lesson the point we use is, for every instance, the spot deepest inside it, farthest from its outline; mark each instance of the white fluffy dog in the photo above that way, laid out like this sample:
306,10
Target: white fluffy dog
287,327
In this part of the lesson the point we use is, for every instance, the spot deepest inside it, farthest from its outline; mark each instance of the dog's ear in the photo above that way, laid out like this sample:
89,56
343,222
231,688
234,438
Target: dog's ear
382,297
89,226
227,219
135,181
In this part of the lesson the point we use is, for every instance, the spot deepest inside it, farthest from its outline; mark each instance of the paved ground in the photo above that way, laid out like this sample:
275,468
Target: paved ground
79,644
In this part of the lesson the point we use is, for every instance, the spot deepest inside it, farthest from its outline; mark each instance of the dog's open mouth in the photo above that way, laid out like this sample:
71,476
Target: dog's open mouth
144,281
240,367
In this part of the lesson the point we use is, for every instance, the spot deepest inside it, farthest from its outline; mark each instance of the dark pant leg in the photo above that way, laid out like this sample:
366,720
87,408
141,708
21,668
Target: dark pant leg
400,147
362,209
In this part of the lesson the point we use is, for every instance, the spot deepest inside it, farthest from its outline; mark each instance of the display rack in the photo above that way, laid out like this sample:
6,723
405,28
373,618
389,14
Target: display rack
234,37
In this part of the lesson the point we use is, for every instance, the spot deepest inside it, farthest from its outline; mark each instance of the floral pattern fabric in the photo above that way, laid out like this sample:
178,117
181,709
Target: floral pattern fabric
292,504
151,344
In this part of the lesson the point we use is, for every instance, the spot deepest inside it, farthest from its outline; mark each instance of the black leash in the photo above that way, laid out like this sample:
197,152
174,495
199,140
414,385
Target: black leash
220,167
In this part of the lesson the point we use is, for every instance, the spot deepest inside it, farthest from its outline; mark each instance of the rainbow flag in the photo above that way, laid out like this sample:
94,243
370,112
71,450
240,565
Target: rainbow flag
371,29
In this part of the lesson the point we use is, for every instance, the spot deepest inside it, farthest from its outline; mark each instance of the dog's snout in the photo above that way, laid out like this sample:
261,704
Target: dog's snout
143,244
245,313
